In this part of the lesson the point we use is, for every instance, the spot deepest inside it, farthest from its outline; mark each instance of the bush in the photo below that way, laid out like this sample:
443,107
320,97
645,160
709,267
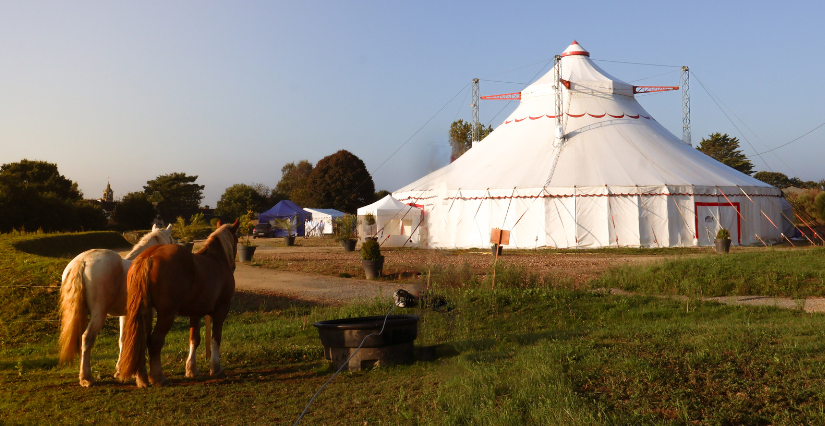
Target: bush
345,228
723,234
371,250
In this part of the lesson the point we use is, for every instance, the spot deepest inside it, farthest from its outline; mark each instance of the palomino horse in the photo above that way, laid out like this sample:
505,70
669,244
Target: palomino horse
94,284
173,281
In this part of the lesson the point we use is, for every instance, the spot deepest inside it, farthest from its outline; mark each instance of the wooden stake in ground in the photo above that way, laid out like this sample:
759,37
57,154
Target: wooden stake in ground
207,336
499,238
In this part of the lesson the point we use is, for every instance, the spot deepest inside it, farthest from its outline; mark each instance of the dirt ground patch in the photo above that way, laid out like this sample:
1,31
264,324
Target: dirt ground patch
404,265
314,287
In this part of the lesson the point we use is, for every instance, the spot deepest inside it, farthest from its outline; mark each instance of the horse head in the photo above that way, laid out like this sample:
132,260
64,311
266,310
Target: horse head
161,235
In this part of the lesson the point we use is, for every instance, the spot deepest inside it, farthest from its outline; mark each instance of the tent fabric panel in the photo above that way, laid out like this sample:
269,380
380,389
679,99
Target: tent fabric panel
623,214
681,229
591,217
653,219
560,224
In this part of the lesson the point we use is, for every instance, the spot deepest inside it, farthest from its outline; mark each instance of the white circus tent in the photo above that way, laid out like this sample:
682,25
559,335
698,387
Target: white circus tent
616,178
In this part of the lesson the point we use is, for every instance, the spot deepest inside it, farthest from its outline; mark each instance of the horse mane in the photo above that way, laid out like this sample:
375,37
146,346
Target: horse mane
224,236
144,241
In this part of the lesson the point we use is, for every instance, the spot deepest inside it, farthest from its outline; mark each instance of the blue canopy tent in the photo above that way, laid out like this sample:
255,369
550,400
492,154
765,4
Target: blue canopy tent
282,210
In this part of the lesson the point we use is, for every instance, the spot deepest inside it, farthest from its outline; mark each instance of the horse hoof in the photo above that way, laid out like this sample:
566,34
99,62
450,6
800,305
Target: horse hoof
162,382
191,374
218,374
86,383
141,383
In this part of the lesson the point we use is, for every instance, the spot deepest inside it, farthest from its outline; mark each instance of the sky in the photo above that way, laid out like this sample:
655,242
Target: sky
231,91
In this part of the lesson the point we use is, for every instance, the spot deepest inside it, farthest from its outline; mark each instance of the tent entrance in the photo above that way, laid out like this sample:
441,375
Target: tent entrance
710,217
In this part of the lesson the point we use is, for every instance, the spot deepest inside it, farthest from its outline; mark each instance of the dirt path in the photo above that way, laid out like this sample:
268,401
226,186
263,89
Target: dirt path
324,288
313,287
328,288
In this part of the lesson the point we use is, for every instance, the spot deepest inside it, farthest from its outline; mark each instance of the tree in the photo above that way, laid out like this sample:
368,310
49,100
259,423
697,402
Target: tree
293,182
340,181
174,191
240,198
134,211
90,215
380,194
779,180
34,195
725,149
38,177
461,136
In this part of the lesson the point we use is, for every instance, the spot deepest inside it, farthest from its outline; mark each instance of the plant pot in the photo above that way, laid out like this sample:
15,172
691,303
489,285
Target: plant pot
245,252
722,246
371,238
494,249
289,241
189,246
349,245
373,268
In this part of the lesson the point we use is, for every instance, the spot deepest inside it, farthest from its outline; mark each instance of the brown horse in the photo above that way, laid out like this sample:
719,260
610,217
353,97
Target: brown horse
173,281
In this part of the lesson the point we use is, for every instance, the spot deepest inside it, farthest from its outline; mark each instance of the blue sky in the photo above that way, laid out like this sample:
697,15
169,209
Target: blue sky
231,91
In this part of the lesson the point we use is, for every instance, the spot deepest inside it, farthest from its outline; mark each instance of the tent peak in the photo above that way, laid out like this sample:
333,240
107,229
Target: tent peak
575,49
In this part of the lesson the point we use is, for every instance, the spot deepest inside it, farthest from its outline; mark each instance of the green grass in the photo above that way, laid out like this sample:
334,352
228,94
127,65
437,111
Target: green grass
30,269
532,351
768,272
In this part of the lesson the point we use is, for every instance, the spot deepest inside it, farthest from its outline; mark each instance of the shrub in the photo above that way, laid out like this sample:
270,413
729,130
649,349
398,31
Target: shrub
723,234
245,227
371,250
345,227
288,224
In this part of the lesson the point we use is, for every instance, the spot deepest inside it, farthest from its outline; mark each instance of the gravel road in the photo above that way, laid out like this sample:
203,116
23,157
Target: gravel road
313,287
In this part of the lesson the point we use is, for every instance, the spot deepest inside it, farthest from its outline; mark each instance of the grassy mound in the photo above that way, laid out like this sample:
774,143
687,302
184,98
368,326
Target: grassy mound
30,270
783,273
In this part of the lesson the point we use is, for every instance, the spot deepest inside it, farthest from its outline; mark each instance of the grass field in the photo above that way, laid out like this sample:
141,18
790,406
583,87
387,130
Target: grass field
532,351
766,272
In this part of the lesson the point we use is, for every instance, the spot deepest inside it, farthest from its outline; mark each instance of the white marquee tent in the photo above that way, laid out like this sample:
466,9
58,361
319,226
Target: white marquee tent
326,216
396,224
616,178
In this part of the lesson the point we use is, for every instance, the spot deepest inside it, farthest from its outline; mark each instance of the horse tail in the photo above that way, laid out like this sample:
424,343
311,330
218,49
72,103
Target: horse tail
74,315
138,318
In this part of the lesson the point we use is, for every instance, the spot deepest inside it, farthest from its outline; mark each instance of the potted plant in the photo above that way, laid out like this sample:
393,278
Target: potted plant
346,231
246,249
290,225
371,259
187,233
183,233
369,220
722,241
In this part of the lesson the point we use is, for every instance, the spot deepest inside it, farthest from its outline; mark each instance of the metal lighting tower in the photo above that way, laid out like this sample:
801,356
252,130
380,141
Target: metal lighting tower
559,99
475,131
686,105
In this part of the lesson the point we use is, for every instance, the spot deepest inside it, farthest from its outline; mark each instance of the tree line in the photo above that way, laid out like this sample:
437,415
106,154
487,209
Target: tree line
339,181
34,195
